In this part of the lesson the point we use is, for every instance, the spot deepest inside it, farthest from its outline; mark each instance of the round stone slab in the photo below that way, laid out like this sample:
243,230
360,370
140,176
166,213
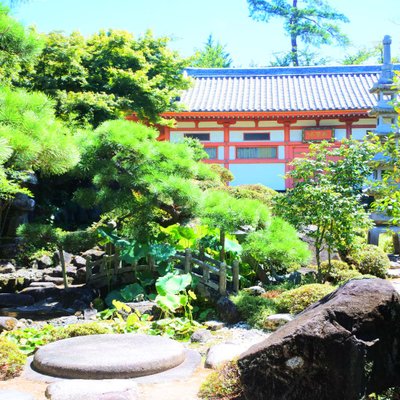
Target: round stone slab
108,356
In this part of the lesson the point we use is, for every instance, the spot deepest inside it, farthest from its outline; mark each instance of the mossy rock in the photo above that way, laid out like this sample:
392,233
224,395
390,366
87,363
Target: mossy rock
12,360
73,330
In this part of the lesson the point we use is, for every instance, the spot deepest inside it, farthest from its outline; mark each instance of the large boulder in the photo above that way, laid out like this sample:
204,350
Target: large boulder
343,347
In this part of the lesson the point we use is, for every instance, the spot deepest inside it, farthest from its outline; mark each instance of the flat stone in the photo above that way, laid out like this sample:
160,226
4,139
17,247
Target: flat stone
42,285
201,336
82,389
393,273
108,356
214,325
15,395
79,261
224,352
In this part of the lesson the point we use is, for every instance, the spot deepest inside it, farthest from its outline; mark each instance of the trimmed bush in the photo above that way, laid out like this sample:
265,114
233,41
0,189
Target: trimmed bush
12,360
224,384
254,309
275,250
339,270
371,260
297,300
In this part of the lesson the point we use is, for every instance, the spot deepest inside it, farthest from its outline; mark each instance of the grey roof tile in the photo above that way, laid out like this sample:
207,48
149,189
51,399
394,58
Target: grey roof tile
281,89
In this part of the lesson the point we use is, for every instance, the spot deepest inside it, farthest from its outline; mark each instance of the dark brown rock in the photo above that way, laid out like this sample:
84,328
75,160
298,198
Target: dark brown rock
343,347
15,299
228,311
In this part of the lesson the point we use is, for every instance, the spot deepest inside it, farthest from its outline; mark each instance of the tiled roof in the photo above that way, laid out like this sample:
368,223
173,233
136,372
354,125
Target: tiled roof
281,89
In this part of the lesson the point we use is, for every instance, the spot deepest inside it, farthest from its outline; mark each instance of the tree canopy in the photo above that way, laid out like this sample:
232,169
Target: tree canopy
213,55
107,75
311,22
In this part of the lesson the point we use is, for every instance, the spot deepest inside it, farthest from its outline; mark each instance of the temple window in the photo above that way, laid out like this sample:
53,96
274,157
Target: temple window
257,136
256,152
203,137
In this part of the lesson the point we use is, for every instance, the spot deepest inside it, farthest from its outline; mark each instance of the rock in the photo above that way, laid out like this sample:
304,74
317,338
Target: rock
94,254
275,321
7,323
82,389
6,267
227,310
343,347
145,307
224,352
15,281
14,395
393,273
15,300
255,290
201,336
80,276
109,356
58,281
214,325
79,261
42,285
44,261
67,257
69,269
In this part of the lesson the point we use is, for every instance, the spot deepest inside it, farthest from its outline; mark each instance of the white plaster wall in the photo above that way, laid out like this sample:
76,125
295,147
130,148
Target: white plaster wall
209,125
296,135
216,136
330,122
220,152
340,134
232,152
270,175
182,124
236,136
304,123
176,137
281,152
266,124
358,133
244,124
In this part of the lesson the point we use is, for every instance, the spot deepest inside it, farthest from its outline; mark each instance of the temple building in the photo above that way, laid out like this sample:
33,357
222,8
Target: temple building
255,121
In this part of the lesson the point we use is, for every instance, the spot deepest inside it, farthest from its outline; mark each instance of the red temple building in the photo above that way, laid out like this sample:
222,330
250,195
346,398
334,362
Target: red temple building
256,121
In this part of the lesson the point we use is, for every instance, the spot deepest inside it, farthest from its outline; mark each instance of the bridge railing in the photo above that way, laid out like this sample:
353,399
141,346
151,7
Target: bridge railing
211,273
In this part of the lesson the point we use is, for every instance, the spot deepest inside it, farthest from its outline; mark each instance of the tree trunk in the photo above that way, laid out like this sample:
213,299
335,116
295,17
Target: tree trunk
293,37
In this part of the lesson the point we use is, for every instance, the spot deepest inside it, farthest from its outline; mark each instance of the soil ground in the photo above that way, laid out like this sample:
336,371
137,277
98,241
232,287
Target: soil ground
174,390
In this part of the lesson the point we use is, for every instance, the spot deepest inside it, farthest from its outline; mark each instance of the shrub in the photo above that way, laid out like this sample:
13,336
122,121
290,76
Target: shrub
338,271
386,242
253,192
12,360
254,309
275,250
91,328
297,300
371,260
224,384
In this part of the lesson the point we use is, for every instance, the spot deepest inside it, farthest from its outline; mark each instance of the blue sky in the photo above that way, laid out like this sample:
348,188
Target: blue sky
189,22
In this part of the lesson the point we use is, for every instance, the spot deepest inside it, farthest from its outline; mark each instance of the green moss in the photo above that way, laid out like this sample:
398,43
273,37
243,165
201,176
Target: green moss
92,328
224,384
12,360
297,300
254,309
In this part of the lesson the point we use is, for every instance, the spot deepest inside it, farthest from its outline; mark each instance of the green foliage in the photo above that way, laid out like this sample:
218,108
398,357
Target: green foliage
98,78
139,181
275,250
386,242
327,191
18,47
129,293
337,271
258,192
213,55
254,309
30,339
313,23
224,383
12,360
173,294
386,191
296,300
371,260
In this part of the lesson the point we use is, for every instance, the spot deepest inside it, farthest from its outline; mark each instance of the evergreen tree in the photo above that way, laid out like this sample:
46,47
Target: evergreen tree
312,22
213,55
